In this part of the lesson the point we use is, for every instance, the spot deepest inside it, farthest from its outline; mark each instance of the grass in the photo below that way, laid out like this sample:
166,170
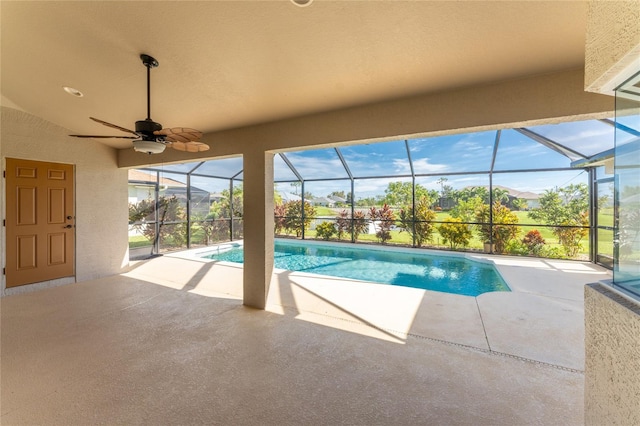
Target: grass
404,238
136,241
326,211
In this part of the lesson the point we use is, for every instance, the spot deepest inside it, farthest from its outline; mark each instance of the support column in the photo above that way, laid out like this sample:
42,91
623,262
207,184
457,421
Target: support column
258,228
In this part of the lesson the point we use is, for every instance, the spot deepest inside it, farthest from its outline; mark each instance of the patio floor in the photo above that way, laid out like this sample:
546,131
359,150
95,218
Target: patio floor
169,342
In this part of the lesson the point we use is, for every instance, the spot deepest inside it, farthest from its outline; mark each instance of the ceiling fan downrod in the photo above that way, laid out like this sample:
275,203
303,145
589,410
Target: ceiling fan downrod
149,62
148,126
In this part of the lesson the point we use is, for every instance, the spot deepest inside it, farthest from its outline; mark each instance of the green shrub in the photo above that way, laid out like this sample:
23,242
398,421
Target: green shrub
142,218
385,218
325,230
534,242
455,233
343,223
517,247
359,223
293,221
422,229
503,229
568,209
553,253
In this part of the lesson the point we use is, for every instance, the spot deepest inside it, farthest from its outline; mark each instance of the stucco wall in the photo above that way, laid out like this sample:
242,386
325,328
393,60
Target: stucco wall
612,44
101,189
612,361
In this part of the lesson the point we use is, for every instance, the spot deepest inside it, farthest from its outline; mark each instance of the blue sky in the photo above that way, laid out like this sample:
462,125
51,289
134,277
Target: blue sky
471,152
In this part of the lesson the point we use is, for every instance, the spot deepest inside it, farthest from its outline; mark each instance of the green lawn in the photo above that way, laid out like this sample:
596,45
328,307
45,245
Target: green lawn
404,238
328,212
136,241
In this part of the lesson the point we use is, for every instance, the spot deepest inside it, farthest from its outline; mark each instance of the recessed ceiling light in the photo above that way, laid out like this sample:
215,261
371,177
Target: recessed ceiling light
302,3
72,91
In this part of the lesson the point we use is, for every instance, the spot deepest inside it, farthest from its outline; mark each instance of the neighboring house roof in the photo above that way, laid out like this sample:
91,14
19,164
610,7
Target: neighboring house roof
139,175
322,200
525,195
337,199
287,196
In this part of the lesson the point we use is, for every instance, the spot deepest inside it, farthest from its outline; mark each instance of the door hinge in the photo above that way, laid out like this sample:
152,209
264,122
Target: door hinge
4,271
4,222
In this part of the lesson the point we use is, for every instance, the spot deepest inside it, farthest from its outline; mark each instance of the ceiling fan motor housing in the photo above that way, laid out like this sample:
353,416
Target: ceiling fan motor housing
146,129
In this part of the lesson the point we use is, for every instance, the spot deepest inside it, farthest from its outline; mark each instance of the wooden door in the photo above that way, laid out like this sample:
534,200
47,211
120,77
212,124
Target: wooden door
40,221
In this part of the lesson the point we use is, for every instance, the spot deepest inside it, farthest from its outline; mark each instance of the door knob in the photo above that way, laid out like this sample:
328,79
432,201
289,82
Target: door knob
68,226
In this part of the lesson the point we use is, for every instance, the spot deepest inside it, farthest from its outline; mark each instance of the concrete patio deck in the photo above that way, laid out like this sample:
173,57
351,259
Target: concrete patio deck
169,342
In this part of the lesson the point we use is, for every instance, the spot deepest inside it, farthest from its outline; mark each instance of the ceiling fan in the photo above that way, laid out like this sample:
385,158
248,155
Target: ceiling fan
150,137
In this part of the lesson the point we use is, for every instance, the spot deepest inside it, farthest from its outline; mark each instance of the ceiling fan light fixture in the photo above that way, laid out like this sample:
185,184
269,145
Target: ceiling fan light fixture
148,147
302,3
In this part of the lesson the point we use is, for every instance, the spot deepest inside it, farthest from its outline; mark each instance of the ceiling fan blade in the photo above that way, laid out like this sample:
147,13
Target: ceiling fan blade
189,146
179,134
104,137
114,126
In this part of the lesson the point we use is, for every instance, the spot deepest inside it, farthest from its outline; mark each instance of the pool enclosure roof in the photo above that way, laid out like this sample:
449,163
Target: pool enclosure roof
545,147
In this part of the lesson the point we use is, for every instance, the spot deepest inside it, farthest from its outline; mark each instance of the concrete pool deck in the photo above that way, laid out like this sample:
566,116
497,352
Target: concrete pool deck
169,342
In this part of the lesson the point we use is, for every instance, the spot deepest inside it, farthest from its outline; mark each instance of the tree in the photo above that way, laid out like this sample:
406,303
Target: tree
293,220
297,184
500,195
366,202
470,192
519,204
465,209
400,194
566,208
142,218
441,182
222,208
422,228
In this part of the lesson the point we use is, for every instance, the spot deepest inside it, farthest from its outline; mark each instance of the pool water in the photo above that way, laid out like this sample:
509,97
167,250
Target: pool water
420,270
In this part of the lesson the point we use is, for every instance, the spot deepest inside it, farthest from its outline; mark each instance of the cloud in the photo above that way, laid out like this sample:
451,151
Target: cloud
422,165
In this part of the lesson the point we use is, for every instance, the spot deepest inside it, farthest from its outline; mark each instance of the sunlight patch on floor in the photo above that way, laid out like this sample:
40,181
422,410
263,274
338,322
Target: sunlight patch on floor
386,312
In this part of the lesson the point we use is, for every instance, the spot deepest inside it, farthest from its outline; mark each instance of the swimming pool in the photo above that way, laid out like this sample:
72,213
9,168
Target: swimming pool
450,274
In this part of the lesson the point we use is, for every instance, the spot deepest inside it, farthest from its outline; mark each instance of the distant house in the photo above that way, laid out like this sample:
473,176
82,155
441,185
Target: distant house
338,200
142,187
288,196
531,198
322,201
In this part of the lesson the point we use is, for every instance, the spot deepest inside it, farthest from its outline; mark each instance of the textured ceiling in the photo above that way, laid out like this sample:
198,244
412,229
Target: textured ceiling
237,63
